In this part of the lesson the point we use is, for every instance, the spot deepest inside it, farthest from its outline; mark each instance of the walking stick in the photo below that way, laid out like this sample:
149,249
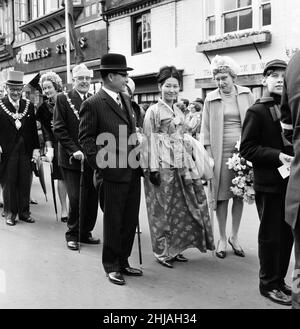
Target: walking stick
81,201
81,198
139,242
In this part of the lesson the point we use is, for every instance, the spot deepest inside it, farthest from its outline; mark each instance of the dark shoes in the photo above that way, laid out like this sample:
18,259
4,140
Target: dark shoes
166,263
73,245
286,289
116,278
180,258
27,220
64,219
90,240
11,222
238,252
221,253
1,204
277,296
130,271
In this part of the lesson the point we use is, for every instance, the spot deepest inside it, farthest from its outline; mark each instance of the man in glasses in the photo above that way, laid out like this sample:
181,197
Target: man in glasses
107,121
19,145
70,156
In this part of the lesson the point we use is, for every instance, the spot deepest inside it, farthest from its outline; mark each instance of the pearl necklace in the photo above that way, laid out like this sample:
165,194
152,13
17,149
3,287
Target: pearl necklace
16,116
72,106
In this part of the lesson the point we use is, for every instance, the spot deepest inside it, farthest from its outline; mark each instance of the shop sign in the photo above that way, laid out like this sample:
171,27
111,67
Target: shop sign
38,54
62,47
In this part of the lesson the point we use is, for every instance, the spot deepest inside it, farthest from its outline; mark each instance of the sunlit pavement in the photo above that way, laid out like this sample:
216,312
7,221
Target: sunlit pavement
38,271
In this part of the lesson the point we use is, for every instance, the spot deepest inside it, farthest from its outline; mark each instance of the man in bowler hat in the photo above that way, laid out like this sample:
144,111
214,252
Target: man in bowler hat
109,113
262,143
290,119
19,145
70,155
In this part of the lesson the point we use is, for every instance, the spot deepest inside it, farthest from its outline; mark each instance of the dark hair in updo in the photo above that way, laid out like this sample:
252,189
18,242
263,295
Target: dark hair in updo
167,72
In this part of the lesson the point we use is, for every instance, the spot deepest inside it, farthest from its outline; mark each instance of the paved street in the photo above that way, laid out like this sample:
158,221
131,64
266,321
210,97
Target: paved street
38,271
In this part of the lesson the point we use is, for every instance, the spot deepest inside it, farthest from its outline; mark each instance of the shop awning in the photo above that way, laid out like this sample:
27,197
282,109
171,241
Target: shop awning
28,78
32,80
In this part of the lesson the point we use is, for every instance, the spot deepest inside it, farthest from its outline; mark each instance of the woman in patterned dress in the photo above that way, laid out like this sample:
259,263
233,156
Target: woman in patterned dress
176,201
51,85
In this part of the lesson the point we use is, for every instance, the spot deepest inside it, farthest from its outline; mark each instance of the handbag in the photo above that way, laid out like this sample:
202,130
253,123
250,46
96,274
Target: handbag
203,161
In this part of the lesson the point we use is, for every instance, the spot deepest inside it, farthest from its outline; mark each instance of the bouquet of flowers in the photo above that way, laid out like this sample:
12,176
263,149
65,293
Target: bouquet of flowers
242,184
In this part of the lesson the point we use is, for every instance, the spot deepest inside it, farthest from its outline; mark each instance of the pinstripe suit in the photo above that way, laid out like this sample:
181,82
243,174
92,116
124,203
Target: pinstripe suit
119,188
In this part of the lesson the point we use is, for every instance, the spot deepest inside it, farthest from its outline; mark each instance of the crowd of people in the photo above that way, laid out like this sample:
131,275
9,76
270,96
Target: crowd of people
100,146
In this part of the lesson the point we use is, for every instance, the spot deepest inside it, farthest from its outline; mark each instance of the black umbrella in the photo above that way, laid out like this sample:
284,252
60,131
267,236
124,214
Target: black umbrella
53,191
38,169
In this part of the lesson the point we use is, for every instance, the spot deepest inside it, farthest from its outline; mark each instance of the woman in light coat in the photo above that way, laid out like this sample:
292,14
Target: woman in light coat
223,116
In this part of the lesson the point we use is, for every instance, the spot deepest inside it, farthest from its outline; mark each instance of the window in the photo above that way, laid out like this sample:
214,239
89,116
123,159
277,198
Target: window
237,15
42,7
141,32
21,17
210,18
266,12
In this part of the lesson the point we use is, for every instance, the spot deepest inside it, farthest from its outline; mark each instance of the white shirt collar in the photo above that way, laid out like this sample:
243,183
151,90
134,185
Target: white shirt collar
112,94
81,95
17,103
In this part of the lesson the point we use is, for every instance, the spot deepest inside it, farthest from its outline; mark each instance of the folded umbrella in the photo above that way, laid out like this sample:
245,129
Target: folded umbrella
53,191
38,169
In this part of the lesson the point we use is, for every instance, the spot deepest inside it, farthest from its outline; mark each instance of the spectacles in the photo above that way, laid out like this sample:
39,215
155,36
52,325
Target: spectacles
18,90
82,78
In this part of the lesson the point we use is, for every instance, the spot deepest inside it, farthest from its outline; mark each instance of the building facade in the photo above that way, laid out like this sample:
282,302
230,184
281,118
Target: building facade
33,37
151,33
189,33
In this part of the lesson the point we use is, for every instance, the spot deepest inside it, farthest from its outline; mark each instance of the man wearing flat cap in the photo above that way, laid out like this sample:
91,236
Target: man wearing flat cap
107,117
290,119
70,155
263,144
19,145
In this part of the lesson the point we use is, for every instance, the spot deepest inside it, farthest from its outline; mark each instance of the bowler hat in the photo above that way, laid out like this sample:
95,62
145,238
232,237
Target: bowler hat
275,63
114,62
15,78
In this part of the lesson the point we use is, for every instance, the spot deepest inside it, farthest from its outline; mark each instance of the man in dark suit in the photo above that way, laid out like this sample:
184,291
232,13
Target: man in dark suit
290,119
19,144
66,126
107,122
262,144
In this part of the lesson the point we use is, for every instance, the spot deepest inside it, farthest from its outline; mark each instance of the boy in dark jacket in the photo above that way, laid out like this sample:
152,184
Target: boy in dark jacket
263,144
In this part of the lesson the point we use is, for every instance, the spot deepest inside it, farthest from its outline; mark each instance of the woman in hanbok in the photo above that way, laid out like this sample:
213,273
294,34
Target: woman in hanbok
176,202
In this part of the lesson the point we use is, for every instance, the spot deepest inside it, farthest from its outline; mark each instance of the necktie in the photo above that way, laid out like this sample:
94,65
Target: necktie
16,105
119,103
84,97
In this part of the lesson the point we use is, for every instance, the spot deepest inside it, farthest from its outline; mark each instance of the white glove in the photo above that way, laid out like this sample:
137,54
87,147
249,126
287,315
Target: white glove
78,155
285,159
35,154
50,154
0,149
